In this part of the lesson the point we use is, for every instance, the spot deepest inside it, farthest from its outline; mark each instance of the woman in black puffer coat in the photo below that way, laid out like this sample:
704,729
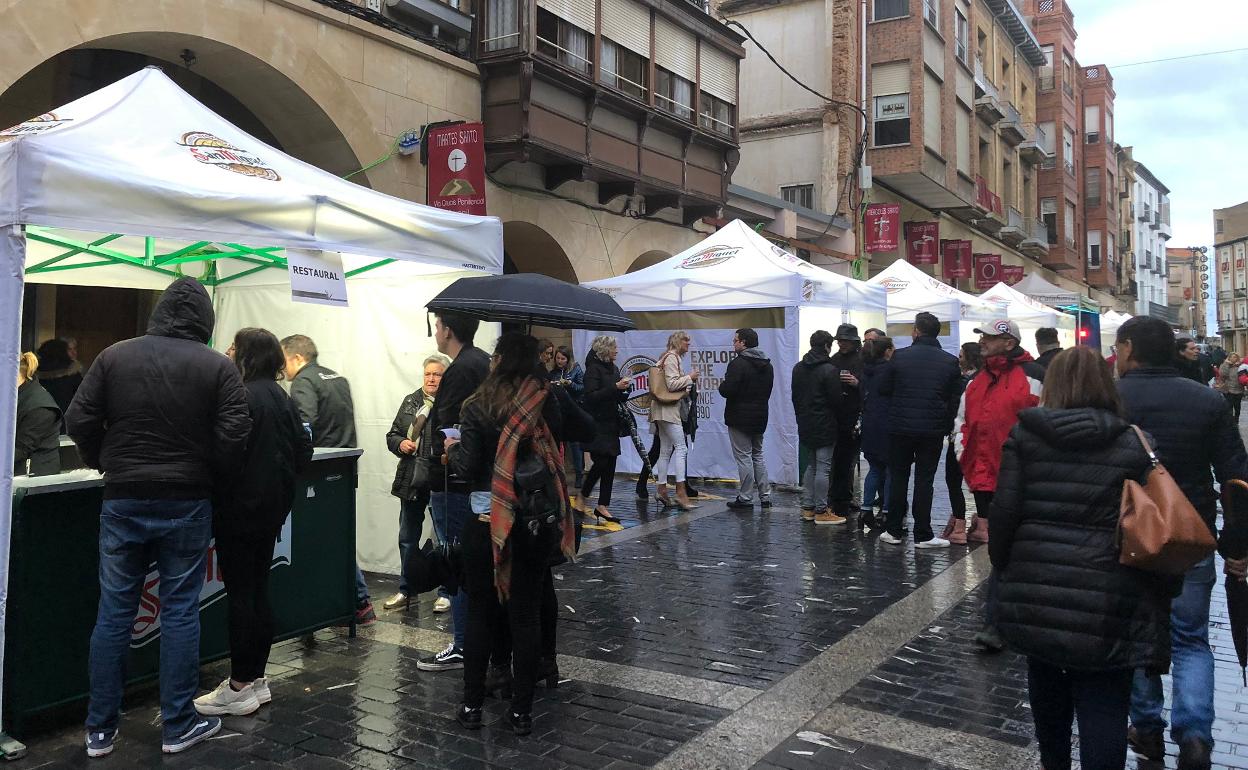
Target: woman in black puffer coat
1084,621
605,390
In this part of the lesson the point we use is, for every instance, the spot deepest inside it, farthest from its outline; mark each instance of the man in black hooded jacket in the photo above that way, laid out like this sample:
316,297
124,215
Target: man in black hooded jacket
746,390
164,417
816,401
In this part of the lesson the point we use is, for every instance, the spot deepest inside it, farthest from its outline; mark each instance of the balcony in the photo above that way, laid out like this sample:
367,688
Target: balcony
1036,244
622,123
1011,126
987,101
453,16
1143,212
1154,222
1032,149
1163,230
1164,312
1015,230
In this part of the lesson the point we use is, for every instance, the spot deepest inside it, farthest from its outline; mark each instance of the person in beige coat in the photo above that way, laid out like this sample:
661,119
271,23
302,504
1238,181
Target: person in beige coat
665,421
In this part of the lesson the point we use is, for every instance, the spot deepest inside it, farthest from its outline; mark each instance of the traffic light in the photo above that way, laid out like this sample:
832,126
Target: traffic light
1083,336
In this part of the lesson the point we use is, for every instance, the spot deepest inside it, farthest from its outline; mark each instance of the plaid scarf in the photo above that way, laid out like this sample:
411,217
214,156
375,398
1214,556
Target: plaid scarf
524,421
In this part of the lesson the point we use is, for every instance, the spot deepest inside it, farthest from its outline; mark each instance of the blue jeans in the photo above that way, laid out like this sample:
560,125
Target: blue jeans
411,522
176,534
450,511
815,481
1191,708
875,485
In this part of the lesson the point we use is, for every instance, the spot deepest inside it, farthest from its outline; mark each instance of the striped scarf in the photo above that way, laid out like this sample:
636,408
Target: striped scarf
524,421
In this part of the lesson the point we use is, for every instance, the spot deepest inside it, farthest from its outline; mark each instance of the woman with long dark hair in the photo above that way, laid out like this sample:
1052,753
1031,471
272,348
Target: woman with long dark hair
514,416
569,375
605,390
248,517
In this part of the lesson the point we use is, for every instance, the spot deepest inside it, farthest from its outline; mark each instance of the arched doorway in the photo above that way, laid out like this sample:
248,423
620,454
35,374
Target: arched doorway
648,259
527,248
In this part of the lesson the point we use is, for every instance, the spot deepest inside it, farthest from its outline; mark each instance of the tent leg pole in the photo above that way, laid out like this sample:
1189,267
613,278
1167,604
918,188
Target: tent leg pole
12,269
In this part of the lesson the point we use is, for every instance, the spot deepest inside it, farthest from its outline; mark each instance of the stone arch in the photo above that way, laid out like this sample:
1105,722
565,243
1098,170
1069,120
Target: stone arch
527,248
648,259
287,84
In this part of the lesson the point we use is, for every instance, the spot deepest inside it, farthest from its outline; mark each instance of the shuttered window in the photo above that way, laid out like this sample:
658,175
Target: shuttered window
964,140
577,12
931,111
628,24
891,78
719,74
675,49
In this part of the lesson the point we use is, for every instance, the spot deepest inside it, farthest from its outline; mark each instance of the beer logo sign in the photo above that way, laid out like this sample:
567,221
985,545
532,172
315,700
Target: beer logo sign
637,370
894,285
215,151
44,122
715,255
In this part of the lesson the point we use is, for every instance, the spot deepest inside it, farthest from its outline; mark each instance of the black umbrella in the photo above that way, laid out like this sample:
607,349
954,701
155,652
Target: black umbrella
535,300
1234,545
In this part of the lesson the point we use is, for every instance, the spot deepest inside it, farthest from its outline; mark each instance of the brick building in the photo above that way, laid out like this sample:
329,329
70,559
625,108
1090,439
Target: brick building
1187,289
1230,239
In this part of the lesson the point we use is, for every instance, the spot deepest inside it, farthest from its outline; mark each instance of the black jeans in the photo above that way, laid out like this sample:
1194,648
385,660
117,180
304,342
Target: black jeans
1235,400
603,471
922,452
1099,699
245,560
844,464
953,480
983,502
488,620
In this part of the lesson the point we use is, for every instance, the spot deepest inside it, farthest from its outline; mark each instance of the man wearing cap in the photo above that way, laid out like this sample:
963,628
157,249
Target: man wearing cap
1047,345
1009,383
848,359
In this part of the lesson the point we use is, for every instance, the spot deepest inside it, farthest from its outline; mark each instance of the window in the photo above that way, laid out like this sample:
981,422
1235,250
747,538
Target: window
1109,126
961,36
799,195
1047,138
1068,149
1094,249
1046,69
1070,225
931,12
931,112
890,89
502,25
1092,124
1048,212
1217,226
1110,254
564,42
715,114
1111,192
963,128
624,70
891,9
673,93
1068,77
1092,187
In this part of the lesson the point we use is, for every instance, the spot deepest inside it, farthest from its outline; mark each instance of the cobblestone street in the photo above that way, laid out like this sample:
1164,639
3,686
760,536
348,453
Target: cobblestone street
706,639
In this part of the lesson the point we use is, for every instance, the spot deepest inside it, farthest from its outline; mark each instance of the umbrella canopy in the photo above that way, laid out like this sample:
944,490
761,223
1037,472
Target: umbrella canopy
533,299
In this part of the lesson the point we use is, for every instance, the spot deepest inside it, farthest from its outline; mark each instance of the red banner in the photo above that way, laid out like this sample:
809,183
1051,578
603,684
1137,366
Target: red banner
455,176
883,227
1011,274
957,256
987,270
922,242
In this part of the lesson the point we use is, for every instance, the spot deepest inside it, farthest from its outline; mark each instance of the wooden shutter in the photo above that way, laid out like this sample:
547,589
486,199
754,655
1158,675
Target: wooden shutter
931,111
719,73
891,78
675,50
628,25
579,13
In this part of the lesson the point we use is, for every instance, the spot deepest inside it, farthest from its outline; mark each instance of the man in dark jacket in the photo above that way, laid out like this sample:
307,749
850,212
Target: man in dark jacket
1047,345
746,390
848,359
323,398
454,335
1192,432
164,417
922,383
816,399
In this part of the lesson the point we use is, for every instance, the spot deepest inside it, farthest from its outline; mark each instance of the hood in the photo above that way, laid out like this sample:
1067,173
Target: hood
1087,427
755,354
184,312
815,358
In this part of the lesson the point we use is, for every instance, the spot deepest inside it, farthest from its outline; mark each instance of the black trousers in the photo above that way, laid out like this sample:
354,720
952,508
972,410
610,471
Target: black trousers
245,561
603,471
1099,699
844,465
488,620
983,502
923,453
953,480
1235,400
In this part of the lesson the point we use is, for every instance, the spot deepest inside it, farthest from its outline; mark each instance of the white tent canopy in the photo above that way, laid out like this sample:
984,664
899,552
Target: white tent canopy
1042,290
911,291
1031,315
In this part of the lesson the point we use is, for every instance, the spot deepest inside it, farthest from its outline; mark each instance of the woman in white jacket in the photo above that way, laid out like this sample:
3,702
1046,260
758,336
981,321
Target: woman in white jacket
665,420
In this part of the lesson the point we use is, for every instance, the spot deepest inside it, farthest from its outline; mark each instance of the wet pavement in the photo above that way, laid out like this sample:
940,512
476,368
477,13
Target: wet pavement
703,639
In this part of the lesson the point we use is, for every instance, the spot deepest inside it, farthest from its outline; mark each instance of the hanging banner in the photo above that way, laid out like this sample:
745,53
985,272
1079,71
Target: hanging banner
957,256
316,277
987,270
923,243
883,227
455,176
1011,274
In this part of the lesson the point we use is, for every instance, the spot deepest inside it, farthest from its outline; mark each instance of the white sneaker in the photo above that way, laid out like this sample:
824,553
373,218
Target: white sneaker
441,604
936,542
888,538
263,693
224,700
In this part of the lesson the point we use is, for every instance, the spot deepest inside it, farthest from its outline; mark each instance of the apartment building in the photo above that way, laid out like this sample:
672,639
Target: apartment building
1126,287
1103,266
1230,236
1187,289
1150,232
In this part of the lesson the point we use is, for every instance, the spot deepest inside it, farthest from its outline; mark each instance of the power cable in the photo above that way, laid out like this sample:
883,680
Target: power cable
1176,58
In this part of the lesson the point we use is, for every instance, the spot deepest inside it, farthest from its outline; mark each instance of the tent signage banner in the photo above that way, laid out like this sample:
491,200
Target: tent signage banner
987,270
1011,274
456,171
957,256
883,227
317,277
922,240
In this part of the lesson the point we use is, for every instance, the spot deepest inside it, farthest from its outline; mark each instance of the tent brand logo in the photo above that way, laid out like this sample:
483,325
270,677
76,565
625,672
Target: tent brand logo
808,291
45,122
715,255
215,151
637,370
894,285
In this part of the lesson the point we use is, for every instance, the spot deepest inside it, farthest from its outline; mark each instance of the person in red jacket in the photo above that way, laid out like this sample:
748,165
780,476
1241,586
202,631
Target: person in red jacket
1009,383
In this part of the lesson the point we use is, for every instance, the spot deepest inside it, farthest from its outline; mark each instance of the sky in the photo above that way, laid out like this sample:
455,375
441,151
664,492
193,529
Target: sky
1186,119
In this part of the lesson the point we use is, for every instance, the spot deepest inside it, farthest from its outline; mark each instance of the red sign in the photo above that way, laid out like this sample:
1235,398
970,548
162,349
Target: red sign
1011,274
922,242
987,270
957,259
455,176
883,227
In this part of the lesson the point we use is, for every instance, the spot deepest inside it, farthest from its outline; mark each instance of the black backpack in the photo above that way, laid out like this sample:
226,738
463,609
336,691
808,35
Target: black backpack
538,528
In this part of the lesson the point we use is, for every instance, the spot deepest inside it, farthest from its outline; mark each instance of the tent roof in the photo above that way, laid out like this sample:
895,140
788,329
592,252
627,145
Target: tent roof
141,157
1039,288
1021,308
738,268
910,291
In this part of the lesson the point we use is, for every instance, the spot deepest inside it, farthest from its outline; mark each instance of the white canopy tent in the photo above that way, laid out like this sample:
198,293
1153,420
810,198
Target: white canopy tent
1111,321
733,278
129,184
1042,290
911,291
1031,315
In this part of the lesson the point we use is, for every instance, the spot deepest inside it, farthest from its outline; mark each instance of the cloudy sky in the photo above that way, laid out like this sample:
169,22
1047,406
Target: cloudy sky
1186,119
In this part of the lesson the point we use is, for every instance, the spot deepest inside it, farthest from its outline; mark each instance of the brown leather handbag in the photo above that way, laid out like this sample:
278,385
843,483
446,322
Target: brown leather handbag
1158,529
658,384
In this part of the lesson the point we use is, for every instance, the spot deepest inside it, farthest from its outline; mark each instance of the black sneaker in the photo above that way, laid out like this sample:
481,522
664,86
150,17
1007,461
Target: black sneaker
521,724
468,718
449,659
1149,744
740,505
765,503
